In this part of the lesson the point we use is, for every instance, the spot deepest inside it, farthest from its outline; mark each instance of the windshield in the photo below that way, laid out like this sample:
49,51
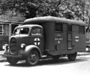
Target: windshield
19,31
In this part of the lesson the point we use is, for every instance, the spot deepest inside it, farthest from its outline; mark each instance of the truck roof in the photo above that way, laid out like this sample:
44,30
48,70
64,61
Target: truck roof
29,25
53,19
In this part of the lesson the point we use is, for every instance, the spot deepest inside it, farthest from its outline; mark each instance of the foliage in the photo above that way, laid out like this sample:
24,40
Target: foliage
72,9
12,16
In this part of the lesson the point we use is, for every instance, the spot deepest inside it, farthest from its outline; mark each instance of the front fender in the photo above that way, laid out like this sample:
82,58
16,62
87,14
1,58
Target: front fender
29,48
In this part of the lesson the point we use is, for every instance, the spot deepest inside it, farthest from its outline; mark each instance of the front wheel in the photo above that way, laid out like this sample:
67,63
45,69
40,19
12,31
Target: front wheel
33,58
12,61
72,56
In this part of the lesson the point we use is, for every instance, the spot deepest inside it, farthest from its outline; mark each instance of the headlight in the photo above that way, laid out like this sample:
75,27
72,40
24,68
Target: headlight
23,45
87,49
5,47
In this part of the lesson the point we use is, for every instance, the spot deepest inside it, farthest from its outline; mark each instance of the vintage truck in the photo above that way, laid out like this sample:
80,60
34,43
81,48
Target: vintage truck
43,37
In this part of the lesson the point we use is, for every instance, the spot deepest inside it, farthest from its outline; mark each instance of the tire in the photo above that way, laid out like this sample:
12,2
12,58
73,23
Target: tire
12,61
55,58
32,58
72,56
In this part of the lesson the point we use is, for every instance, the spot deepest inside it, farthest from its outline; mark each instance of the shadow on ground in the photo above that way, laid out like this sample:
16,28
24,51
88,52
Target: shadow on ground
49,62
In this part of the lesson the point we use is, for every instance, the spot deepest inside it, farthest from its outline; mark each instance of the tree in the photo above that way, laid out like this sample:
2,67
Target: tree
71,9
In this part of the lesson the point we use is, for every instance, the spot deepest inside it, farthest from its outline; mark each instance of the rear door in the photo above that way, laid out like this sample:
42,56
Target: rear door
78,35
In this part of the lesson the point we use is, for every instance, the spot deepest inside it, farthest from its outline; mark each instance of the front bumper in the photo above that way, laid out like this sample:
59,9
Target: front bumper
19,55
13,56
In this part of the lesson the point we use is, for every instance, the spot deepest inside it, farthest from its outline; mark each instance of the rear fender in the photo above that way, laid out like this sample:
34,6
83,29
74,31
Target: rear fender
31,47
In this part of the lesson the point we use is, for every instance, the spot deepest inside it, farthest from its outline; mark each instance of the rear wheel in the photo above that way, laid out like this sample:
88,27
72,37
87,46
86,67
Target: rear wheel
12,61
33,58
72,56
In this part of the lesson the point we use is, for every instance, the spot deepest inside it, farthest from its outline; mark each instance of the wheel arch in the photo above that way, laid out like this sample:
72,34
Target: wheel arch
32,47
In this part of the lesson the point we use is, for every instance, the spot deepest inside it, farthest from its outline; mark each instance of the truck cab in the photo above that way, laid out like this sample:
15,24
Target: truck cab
27,35
24,39
47,36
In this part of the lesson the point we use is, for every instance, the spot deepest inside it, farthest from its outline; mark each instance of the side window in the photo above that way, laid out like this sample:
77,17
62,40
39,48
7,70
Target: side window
69,28
21,31
24,31
36,31
82,29
59,27
17,31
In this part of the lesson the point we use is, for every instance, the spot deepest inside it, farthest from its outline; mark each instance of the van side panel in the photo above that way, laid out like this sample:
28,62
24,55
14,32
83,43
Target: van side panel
49,36
61,40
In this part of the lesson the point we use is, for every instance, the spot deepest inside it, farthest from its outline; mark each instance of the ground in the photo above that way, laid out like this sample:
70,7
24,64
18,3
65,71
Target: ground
49,67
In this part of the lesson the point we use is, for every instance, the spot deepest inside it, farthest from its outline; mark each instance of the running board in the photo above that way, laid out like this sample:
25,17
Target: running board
43,56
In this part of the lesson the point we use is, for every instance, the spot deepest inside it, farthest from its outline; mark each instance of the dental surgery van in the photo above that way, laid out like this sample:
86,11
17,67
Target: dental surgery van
44,37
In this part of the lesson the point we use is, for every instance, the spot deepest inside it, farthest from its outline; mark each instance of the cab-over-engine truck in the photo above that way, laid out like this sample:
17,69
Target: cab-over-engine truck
47,36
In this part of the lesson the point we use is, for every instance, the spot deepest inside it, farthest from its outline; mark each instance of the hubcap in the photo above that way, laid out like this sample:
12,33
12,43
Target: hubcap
33,58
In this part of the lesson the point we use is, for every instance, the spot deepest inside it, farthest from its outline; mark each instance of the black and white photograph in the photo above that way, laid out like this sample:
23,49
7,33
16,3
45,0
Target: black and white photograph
44,37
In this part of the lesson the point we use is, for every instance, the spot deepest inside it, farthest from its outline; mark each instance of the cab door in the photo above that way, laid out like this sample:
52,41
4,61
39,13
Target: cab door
37,37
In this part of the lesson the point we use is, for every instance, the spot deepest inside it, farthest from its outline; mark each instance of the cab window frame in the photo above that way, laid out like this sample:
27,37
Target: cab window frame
19,33
36,34
24,32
